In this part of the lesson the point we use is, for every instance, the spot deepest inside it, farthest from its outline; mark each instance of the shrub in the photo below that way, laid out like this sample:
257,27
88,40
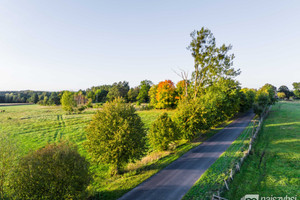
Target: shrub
189,118
162,133
56,171
81,108
115,135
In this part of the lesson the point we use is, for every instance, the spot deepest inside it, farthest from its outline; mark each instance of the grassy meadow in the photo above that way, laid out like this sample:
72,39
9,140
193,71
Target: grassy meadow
273,168
33,126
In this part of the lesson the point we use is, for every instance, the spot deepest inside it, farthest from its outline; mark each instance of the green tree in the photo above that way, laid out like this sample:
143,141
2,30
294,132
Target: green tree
56,171
210,62
285,90
296,89
115,135
143,96
100,95
271,91
34,98
119,89
54,99
163,132
152,94
67,101
189,117
247,97
133,94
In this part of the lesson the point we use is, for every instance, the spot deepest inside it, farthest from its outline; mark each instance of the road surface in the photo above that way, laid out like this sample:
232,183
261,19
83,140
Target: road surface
175,180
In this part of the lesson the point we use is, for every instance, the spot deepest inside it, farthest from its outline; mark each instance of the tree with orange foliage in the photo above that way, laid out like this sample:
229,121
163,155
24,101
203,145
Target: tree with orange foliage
165,95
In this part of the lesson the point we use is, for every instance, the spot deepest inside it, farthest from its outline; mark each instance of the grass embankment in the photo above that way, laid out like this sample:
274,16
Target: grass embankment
273,167
33,126
214,176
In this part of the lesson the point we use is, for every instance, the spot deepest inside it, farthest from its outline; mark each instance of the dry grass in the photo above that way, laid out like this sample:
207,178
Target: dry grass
151,158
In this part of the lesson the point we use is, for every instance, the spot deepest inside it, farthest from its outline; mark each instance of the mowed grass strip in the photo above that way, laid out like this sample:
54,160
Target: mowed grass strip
33,126
213,178
273,169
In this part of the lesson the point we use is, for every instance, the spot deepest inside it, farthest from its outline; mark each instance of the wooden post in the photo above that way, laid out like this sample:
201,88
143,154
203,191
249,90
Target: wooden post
226,185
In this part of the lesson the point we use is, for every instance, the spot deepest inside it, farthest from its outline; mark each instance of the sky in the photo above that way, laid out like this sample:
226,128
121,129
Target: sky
71,45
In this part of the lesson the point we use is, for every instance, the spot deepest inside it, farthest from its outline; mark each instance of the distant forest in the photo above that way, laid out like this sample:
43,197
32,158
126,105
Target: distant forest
95,94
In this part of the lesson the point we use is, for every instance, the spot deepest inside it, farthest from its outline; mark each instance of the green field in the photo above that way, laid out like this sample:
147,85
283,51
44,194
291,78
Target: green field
273,168
32,127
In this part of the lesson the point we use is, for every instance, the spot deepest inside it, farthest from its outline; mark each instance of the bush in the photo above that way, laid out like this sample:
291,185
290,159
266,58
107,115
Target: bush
56,171
115,135
81,108
189,118
162,133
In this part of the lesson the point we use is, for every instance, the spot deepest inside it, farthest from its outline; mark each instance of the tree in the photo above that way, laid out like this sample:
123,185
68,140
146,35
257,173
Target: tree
133,94
165,95
281,95
181,89
56,171
189,117
210,62
54,99
152,95
34,98
119,89
115,135
271,91
145,86
285,90
100,95
67,101
296,89
247,97
163,132
8,158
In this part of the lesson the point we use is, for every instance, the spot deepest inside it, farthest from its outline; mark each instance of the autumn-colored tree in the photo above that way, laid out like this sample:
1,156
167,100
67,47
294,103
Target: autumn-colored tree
165,95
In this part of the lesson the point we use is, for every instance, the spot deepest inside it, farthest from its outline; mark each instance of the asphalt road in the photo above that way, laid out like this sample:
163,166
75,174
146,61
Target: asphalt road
175,180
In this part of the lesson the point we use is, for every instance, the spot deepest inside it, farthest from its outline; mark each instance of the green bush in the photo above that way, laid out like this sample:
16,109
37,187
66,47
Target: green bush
115,135
162,133
56,171
189,118
81,108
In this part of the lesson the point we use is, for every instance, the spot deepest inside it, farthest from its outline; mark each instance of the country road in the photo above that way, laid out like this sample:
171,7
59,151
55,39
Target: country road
175,180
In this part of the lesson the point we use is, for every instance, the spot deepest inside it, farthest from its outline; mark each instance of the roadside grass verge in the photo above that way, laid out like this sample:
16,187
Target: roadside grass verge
213,178
273,167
